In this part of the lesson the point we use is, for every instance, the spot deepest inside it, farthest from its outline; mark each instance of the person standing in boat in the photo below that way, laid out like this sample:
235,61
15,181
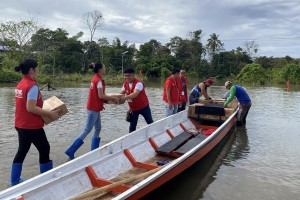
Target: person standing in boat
95,105
183,96
243,98
137,99
199,90
28,121
171,92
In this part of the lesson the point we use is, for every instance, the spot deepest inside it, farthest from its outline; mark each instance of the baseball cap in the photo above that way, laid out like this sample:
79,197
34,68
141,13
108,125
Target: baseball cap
227,83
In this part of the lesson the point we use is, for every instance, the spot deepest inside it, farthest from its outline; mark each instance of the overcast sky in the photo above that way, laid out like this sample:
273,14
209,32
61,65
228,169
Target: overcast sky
273,24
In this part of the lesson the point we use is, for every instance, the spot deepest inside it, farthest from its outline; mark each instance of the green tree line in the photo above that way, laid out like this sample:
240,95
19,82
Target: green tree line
60,54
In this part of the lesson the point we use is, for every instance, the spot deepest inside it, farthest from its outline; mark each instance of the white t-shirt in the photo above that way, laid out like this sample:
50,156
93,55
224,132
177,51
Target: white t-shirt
99,85
139,86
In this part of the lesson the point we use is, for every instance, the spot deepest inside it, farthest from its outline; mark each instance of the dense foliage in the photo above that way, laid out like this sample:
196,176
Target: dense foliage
60,54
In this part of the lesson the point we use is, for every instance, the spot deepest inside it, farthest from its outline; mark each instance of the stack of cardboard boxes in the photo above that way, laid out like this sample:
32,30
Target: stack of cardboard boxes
229,109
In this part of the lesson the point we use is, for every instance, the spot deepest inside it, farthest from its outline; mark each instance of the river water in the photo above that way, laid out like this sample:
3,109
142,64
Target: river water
259,161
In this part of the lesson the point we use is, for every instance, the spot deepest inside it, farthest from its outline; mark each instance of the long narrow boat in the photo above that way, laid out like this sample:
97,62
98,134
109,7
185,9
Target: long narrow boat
134,165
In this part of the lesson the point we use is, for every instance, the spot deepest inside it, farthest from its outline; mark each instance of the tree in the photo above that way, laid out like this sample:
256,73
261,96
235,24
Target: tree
16,36
213,43
94,20
253,73
251,48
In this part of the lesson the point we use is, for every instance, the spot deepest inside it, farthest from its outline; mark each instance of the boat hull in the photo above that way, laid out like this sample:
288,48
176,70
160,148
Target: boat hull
195,156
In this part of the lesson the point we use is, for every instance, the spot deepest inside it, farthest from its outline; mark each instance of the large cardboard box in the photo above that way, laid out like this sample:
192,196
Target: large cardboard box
118,95
51,104
193,114
233,104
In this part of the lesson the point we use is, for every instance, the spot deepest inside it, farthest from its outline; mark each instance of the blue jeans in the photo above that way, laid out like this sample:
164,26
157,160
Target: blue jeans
145,112
93,120
171,111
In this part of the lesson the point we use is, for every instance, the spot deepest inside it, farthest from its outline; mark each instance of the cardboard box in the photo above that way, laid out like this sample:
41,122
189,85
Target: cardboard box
233,104
118,95
192,113
51,104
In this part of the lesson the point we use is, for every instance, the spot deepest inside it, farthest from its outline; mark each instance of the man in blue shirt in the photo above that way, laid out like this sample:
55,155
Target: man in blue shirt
243,98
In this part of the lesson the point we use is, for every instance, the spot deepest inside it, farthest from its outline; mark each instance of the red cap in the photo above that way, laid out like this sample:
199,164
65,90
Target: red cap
209,81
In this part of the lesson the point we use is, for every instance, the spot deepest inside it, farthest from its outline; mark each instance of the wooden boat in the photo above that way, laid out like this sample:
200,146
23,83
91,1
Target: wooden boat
134,165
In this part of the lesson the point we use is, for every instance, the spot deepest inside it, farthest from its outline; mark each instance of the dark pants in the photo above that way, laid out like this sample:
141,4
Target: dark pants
182,107
39,140
145,112
242,114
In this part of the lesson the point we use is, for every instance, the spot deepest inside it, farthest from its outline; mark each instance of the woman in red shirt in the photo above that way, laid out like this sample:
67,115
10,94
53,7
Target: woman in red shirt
94,106
28,121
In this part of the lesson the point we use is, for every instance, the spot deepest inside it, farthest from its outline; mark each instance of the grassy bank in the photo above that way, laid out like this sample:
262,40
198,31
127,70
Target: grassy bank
111,79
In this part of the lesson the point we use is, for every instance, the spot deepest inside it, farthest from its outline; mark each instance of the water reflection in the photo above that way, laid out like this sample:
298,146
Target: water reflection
240,147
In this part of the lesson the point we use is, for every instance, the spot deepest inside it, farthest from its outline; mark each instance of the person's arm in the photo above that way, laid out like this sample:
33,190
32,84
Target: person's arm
103,96
168,90
168,86
231,96
123,91
203,91
33,108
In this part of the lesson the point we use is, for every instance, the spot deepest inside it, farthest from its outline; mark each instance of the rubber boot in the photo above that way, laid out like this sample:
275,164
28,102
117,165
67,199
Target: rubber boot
73,148
95,143
16,170
46,166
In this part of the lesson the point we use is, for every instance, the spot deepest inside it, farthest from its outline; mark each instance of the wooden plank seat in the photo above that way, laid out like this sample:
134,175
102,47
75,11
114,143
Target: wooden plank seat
191,144
174,143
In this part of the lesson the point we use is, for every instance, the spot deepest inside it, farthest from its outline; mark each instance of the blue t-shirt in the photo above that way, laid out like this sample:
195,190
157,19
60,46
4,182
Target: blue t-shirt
33,93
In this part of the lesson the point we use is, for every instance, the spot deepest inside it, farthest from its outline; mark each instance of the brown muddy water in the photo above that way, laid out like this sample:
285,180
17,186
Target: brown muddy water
260,161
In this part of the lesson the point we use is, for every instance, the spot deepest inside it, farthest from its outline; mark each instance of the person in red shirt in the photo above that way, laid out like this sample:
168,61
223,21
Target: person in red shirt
171,93
28,121
94,106
183,96
137,99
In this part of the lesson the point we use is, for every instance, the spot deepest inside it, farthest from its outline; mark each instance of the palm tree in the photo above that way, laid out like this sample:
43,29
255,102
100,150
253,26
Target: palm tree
214,45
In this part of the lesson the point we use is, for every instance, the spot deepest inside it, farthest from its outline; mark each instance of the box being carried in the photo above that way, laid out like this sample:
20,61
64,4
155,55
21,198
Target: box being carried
118,95
51,104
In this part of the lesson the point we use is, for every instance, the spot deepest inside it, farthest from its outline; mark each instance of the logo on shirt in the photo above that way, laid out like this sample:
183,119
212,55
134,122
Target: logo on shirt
18,93
92,86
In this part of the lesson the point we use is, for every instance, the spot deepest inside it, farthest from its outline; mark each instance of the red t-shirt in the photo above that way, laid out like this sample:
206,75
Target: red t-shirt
174,92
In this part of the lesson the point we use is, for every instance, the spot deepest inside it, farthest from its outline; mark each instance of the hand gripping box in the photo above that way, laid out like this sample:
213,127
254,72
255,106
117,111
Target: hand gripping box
51,104
118,95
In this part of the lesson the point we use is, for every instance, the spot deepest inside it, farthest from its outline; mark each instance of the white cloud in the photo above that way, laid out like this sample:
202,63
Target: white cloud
273,24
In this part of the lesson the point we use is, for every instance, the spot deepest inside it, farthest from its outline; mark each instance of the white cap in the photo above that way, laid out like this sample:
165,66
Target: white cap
227,83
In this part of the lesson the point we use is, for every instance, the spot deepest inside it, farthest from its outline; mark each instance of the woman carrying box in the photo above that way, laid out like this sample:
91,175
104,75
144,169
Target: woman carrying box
28,121
94,106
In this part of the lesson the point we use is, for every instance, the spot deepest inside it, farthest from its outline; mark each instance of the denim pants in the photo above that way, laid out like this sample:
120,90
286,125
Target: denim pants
93,120
145,112
171,111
